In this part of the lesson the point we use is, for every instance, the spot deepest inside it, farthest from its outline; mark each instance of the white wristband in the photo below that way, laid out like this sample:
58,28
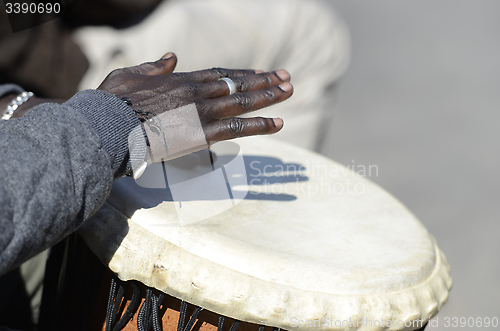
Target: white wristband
172,134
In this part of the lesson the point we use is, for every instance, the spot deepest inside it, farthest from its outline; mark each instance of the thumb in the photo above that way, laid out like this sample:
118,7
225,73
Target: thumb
163,66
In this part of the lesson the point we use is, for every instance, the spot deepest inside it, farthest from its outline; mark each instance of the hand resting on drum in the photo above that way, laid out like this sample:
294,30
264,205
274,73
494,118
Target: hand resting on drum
59,159
153,89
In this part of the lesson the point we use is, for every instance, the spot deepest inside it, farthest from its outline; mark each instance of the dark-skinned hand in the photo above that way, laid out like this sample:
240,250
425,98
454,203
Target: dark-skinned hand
153,88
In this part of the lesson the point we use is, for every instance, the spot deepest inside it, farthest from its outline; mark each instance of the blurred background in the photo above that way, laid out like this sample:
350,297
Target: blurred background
421,100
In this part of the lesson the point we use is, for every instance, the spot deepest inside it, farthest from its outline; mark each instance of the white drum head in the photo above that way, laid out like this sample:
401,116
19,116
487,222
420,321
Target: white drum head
311,242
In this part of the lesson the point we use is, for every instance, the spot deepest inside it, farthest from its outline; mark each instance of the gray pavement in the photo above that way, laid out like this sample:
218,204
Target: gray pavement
421,101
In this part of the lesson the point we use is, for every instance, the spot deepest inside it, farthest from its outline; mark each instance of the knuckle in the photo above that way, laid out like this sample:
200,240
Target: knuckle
180,76
242,100
241,86
201,105
262,123
221,72
191,89
203,109
266,79
236,126
269,94
267,124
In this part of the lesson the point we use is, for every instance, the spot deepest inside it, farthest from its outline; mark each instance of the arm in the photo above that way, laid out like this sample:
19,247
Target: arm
55,171
57,162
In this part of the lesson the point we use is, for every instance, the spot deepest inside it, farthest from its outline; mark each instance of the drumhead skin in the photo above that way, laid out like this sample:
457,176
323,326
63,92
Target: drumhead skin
313,244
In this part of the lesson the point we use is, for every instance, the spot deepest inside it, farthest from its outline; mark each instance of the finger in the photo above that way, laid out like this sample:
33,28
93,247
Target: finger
163,66
247,83
241,103
236,127
210,75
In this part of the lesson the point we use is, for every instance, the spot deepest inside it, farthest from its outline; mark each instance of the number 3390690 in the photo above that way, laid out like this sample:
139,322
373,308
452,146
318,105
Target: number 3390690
32,8
470,322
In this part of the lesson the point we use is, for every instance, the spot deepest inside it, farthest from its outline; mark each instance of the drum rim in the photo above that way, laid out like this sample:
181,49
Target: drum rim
253,300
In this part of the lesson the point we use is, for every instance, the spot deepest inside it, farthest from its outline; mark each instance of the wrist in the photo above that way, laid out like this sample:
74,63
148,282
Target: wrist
113,120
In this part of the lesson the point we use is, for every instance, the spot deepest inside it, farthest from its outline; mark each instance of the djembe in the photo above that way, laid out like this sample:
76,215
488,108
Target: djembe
311,244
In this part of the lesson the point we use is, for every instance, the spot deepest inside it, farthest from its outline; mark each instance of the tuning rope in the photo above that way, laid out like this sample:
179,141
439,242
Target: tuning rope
113,321
149,315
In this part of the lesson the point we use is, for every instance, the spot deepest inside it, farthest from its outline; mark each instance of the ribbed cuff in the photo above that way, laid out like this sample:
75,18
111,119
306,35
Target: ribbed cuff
113,121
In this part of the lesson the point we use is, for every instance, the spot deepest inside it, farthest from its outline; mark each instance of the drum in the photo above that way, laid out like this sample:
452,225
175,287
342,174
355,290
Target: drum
302,243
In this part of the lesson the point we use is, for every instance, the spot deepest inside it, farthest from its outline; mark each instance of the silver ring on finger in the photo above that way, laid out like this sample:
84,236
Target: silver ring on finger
230,84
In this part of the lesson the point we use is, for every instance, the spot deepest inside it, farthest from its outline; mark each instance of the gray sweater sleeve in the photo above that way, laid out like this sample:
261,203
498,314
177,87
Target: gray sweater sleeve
57,165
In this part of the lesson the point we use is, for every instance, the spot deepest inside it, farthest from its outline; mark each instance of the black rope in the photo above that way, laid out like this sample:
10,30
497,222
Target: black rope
149,314
221,323
118,301
111,300
193,318
182,316
131,309
114,304
156,314
113,321
152,316
144,317
234,326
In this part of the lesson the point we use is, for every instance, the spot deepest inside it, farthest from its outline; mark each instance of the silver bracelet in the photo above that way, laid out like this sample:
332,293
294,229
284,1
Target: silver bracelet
15,103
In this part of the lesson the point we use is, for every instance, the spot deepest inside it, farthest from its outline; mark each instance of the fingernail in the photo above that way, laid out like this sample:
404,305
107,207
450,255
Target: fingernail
278,122
167,56
259,71
283,75
286,87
